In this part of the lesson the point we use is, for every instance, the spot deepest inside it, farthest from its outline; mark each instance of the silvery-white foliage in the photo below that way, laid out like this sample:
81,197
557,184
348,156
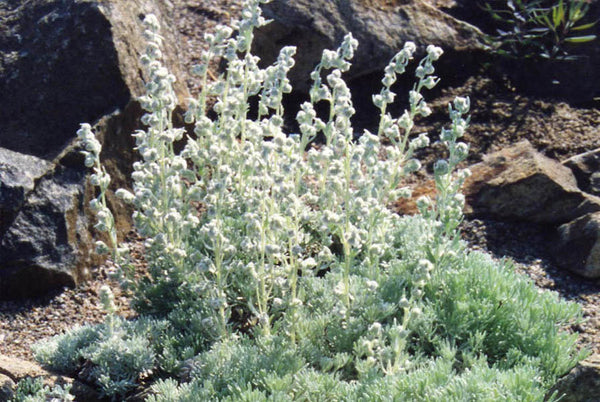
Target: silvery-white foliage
243,193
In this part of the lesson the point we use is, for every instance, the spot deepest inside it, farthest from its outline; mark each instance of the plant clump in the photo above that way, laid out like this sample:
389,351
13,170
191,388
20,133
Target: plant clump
32,389
276,269
546,29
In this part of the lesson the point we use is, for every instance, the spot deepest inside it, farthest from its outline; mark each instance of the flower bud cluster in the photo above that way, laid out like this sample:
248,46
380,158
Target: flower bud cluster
446,213
107,299
101,179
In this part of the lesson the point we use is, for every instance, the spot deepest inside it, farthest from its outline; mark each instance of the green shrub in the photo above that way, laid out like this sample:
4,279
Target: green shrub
277,270
117,354
540,28
33,390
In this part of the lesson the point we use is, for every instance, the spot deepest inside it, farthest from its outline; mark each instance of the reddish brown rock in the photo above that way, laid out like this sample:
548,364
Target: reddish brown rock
13,370
519,183
17,369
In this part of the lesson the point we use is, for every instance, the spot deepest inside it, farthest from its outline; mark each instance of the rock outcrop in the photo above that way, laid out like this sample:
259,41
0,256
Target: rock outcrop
381,27
64,62
67,62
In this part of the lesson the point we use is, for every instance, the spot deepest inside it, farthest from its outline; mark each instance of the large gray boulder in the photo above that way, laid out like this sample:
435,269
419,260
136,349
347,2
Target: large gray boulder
64,62
47,243
381,28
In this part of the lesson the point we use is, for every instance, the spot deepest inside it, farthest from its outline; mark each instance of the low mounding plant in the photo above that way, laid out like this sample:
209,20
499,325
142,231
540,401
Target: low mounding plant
31,389
276,270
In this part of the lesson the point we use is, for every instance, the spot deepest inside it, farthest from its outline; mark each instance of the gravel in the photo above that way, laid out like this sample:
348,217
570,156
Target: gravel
24,322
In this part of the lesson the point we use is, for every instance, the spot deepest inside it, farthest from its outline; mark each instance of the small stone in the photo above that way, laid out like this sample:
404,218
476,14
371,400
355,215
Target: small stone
586,168
577,247
7,386
519,184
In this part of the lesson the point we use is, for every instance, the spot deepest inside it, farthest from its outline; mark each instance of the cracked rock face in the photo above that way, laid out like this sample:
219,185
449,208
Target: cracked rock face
62,63
58,62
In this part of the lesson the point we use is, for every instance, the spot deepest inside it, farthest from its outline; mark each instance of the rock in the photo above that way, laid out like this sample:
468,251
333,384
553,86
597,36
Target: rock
578,246
47,244
64,62
13,370
586,167
519,183
582,384
46,236
18,175
17,369
7,386
67,62
381,27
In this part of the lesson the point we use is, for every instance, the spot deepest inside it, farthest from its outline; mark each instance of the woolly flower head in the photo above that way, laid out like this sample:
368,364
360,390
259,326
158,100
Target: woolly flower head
434,52
107,299
409,48
151,22
462,104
